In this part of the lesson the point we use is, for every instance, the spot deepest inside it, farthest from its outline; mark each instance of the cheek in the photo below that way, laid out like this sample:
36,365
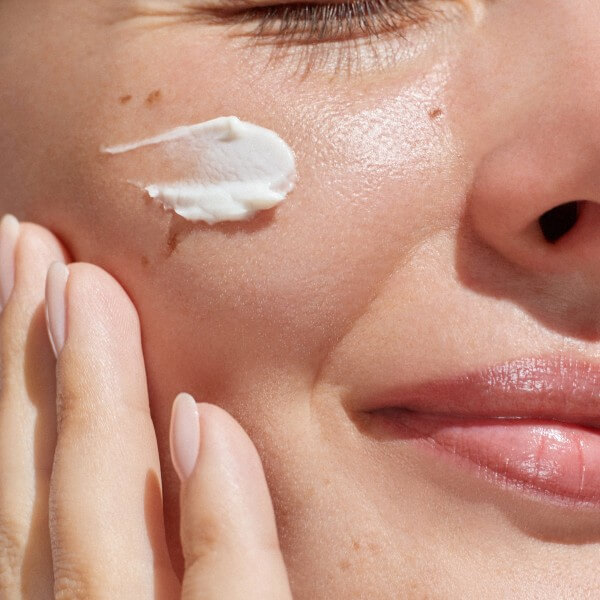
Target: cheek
281,290
374,163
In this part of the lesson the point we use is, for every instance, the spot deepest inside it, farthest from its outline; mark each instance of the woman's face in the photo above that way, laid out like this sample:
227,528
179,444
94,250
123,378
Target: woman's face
409,252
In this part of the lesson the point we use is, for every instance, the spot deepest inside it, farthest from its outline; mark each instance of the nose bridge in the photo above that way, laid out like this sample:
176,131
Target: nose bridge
533,62
536,130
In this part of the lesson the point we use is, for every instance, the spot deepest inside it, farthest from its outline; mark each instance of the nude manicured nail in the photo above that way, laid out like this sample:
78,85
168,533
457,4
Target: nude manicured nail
184,435
56,307
9,233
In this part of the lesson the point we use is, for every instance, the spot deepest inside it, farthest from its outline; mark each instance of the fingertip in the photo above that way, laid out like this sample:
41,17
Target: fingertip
229,479
227,518
101,313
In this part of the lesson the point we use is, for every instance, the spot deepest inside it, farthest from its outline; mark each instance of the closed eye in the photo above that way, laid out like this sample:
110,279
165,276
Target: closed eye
311,23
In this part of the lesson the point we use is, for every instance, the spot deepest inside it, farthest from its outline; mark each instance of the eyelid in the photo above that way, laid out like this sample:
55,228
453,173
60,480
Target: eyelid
319,22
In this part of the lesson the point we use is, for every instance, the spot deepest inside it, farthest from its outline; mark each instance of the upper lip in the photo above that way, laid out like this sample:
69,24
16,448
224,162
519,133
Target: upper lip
554,388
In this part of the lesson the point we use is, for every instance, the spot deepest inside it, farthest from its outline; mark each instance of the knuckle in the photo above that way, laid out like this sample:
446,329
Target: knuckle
80,423
72,416
70,583
203,540
12,549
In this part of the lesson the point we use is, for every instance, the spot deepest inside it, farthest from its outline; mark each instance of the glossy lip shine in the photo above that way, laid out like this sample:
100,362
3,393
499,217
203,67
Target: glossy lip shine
531,424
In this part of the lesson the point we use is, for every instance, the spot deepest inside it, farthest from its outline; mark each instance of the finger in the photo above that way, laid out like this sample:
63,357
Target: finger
228,530
27,413
105,502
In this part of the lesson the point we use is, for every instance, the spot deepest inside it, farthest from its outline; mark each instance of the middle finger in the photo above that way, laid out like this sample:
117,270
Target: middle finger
105,502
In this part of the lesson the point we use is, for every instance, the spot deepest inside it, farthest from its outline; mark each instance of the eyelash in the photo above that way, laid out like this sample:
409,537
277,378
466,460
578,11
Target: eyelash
311,23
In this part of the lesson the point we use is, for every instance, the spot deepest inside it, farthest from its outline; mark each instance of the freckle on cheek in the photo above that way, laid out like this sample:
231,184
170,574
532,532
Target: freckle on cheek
172,243
153,97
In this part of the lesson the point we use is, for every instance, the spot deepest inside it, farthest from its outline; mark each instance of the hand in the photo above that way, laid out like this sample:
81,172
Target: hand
80,493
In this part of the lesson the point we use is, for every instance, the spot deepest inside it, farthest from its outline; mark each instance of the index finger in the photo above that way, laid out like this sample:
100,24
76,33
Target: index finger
228,530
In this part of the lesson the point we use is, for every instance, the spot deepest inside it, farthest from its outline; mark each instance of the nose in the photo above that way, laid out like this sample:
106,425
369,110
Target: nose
534,202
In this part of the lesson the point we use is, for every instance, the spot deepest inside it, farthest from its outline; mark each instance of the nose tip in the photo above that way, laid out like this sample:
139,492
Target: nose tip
538,208
523,244
530,234
563,238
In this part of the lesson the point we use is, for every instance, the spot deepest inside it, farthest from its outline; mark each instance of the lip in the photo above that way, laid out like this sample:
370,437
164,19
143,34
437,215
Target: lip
531,425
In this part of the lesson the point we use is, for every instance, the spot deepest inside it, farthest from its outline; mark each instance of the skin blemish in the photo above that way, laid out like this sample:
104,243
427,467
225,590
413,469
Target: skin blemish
145,262
435,113
355,545
178,231
153,97
125,99
172,243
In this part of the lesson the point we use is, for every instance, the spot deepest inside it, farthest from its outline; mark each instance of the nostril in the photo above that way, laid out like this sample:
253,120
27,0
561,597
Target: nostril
559,221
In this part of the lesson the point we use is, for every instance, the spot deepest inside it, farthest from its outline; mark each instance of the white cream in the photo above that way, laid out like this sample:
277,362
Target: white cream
220,170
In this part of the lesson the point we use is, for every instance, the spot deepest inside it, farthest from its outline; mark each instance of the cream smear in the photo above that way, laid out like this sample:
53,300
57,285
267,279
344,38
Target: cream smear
220,170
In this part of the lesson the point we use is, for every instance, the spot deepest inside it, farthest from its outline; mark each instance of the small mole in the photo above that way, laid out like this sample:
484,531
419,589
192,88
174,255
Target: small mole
125,99
435,113
356,545
145,261
153,97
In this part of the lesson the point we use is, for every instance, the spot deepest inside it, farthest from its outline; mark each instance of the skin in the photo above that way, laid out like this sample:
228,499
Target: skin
73,525
411,230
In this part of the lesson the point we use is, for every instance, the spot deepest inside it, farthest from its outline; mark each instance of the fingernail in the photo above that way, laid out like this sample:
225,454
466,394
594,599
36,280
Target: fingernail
184,435
56,308
9,233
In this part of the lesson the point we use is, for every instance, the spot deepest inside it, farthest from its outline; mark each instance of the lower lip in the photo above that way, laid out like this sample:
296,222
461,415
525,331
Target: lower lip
559,460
